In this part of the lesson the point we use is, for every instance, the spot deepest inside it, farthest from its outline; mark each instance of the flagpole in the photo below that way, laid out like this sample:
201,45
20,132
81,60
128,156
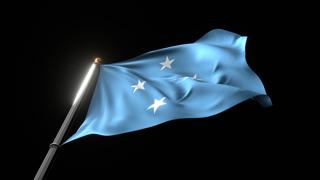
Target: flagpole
53,147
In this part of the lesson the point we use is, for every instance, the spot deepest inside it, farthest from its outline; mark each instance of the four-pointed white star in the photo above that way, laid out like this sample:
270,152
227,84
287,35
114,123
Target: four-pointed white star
167,63
140,85
156,104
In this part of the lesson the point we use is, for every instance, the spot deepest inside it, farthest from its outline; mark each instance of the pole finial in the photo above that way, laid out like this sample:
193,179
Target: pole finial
97,61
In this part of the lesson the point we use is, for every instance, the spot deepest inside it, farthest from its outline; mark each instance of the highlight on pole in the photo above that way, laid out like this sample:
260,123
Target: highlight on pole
86,80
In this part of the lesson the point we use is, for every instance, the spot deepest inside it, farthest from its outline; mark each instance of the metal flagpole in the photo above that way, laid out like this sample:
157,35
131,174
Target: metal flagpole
57,141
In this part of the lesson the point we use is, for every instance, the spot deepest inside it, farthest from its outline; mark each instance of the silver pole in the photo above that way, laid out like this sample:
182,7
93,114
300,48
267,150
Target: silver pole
58,139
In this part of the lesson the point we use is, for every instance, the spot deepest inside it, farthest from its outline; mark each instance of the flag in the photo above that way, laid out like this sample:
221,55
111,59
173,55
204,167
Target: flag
193,80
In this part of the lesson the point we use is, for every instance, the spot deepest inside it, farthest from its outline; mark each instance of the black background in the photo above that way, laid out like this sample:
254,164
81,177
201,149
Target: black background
58,43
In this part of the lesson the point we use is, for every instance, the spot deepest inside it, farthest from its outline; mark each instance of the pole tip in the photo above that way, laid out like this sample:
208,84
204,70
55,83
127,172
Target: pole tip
97,61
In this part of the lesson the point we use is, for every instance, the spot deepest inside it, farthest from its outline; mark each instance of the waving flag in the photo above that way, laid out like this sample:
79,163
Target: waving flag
193,80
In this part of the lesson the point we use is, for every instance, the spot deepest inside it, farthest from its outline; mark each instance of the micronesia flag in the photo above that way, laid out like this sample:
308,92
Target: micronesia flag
193,80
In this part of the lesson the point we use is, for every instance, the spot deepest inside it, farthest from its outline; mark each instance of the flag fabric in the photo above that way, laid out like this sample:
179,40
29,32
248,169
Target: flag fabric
193,80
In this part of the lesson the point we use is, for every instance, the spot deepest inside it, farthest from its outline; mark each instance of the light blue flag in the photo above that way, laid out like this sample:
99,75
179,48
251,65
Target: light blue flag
193,80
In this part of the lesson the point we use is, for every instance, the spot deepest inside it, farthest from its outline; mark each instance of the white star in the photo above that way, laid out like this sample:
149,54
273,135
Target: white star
194,77
167,63
156,104
140,85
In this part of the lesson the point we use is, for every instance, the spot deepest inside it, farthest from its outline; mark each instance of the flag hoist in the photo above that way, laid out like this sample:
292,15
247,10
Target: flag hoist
65,125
